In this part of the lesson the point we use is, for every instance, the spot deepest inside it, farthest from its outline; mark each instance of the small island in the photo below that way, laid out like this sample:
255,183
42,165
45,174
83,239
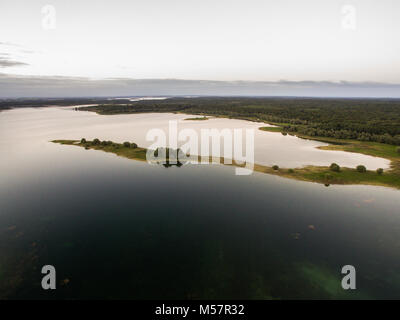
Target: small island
333,174
127,149
197,119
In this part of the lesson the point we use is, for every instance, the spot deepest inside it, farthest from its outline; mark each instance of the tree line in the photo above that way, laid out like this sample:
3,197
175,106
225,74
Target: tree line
362,119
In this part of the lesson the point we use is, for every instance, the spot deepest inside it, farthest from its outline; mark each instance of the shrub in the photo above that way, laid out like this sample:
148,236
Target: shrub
335,167
83,140
398,149
361,168
275,167
127,144
104,143
96,141
379,171
133,145
291,171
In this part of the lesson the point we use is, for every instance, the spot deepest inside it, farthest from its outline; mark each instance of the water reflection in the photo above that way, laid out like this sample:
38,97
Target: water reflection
117,228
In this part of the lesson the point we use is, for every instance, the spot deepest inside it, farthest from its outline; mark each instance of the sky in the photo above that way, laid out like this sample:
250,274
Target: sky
298,47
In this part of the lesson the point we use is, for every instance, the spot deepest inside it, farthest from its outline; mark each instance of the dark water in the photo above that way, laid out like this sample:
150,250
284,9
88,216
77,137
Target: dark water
117,228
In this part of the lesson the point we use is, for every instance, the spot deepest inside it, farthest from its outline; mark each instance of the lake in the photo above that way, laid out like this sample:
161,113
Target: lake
117,228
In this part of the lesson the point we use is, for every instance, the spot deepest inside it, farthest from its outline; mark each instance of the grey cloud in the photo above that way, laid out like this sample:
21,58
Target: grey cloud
8,59
57,86
4,63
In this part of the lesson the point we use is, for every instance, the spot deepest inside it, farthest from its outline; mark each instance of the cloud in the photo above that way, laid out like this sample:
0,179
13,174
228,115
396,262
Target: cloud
5,63
58,86
6,59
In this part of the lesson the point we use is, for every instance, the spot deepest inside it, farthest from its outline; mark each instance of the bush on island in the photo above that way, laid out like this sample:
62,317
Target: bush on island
334,167
275,167
96,141
361,168
127,144
379,171
83,140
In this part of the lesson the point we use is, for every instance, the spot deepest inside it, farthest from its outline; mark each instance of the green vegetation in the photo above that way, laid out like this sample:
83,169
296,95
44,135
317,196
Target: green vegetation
327,282
272,129
379,171
398,149
335,167
346,176
323,175
198,118
131,152
376,120
103,143
361,168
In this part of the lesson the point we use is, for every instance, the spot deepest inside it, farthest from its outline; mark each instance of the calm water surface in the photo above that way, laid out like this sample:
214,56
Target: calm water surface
117,228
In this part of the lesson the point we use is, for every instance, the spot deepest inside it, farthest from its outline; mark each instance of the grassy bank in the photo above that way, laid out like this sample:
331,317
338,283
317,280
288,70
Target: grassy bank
390,177
271,129
374,149
197,119
109,146
346,176
323,175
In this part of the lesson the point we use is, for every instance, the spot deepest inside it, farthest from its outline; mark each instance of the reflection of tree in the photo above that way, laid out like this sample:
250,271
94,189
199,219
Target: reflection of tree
177,164
167,151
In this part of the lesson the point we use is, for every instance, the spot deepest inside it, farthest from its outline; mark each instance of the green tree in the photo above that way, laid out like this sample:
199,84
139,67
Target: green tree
127,144
134,145
334,167
275,167
96,141
361,168
83,140
379,171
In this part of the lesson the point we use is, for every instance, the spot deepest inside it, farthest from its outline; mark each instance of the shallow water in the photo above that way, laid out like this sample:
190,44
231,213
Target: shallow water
117,228
43,125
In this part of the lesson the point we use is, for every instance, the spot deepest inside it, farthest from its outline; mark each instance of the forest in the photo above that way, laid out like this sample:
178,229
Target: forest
375,120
